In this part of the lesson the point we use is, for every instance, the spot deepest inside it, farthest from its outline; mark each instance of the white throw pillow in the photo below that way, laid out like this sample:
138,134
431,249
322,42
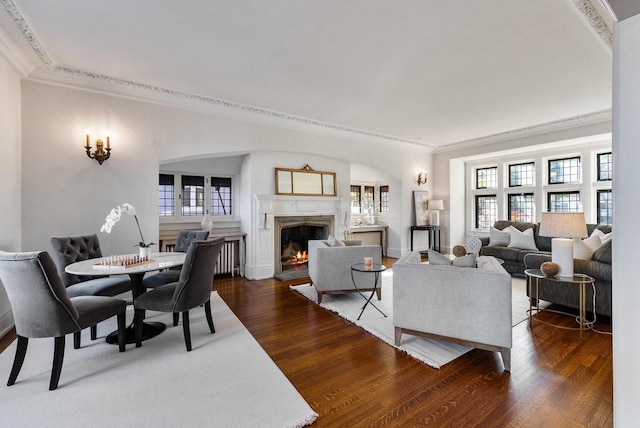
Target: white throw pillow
465,261
435,258
522,240
333,242
584,248
413,258
604,237
499,237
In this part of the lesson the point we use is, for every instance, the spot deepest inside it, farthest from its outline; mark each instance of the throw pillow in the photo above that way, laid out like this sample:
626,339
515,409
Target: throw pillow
604,237
584,248
522,240
603,253
333,242
414,258
465,261
435,258
499,237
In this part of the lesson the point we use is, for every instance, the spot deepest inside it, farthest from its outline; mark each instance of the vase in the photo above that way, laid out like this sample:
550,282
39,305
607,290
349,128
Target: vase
206,223
145,252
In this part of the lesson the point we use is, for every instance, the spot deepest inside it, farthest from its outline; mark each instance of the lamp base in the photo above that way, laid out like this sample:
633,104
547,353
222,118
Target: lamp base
435,218
562,255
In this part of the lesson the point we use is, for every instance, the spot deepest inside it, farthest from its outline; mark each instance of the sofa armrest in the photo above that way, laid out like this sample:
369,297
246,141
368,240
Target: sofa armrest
535,260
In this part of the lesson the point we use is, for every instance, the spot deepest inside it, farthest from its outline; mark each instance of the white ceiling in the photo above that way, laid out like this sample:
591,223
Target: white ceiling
425,71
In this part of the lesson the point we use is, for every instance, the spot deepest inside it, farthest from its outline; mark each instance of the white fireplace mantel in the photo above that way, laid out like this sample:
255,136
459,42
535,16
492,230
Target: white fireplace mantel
260,242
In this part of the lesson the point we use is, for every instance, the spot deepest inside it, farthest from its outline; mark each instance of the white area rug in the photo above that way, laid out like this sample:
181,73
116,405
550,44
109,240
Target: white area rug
227,380
433,352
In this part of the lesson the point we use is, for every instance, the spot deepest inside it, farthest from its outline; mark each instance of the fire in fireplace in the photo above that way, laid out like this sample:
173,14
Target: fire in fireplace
294,238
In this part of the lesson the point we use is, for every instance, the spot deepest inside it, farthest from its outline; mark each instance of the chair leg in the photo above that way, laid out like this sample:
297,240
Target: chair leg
76,339
207,311
21,351
58,357
122,326
185,329
176,318
138,317
94,332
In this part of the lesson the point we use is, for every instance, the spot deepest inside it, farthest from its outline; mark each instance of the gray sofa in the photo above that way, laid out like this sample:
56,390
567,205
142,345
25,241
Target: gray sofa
517,260
470,306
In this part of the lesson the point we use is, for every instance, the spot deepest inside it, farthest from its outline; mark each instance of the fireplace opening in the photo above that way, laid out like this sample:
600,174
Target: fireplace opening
294,247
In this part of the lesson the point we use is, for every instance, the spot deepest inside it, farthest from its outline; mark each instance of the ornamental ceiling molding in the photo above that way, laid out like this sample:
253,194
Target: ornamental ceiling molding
595,20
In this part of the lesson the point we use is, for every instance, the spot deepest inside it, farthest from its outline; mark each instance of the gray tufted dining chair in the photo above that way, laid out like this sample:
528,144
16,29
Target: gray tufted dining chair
192,289
42,308
71,249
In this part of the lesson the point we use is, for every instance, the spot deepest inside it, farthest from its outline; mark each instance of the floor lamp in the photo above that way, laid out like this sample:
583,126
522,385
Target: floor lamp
563,227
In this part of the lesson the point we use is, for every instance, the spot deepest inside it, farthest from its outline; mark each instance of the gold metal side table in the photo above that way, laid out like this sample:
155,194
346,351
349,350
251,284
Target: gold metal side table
579,279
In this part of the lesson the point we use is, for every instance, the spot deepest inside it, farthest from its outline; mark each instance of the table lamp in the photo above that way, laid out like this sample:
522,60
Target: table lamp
434,206
563,227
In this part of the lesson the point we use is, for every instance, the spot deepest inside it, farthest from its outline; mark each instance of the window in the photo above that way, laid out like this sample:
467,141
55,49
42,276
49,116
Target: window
355,199
486,211
522,174
369,193
487,178
220,196
166,191
605,166
564,202
564,171
605,207
522,207
192,195
384,199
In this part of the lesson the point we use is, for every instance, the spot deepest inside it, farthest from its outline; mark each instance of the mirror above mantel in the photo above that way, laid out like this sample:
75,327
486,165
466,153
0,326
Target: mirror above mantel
305,182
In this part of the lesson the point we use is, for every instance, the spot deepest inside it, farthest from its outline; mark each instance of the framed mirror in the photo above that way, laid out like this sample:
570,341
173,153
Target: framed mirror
305,182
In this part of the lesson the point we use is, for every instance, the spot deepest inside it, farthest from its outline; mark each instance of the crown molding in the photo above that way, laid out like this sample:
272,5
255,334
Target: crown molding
595,20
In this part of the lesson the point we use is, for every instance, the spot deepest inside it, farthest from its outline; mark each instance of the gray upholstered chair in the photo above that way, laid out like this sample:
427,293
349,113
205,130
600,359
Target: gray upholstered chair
191,290
184,240
71,249
42,308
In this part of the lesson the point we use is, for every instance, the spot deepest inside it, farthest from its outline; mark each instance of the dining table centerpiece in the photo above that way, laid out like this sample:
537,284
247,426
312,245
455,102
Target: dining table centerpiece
115,215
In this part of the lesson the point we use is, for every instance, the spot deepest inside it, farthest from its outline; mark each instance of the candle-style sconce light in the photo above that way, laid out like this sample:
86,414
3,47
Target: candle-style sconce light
101,153
422,177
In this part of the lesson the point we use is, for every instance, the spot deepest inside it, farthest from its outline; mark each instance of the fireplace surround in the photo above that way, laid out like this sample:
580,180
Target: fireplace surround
291,236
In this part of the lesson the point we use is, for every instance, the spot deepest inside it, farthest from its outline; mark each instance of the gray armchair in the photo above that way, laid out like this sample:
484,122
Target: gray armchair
330,267
71,249
42,308
191,290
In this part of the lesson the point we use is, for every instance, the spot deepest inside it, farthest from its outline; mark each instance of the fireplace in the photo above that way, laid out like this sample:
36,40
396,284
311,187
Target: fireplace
292,235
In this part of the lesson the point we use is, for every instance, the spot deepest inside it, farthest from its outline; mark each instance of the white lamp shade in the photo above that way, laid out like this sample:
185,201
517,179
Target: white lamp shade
563,225
436,204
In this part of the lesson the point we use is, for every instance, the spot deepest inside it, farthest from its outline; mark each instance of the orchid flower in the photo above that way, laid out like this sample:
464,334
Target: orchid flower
114,217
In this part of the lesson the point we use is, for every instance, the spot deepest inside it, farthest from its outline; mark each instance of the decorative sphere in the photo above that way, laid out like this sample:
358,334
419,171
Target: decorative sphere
550,268
459,251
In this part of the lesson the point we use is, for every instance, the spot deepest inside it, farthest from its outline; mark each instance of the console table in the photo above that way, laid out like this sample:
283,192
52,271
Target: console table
434,232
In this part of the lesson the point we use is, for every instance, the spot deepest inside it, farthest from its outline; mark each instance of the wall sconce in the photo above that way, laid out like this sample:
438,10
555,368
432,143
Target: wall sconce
422,177
101,153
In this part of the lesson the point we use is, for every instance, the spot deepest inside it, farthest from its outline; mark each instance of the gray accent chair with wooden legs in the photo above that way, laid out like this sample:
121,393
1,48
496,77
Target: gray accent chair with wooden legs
191,290
42,308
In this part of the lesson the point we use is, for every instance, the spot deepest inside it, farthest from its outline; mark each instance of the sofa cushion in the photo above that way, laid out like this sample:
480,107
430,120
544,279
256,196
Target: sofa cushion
435,258
465,261
333,242
522,240
504,253
499,237
604,237
584,248
603,253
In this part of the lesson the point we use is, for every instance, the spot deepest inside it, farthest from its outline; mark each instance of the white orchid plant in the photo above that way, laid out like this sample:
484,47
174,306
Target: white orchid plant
115,215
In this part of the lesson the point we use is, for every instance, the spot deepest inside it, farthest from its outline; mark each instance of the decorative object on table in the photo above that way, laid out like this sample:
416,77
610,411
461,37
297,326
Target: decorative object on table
421,202
562,226
114,217
459,251
368,206
474,244
550,269
207,223
435,206
347,234
368,263
422,177
101,153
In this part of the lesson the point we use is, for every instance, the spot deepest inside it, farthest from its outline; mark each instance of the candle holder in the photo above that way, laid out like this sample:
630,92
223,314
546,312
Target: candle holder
101,153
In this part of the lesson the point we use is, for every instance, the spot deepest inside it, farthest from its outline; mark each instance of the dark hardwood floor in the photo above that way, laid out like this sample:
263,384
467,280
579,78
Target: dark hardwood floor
351,378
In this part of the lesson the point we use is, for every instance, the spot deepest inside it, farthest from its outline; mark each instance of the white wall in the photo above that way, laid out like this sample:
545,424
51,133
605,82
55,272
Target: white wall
10,181
65,193
626,152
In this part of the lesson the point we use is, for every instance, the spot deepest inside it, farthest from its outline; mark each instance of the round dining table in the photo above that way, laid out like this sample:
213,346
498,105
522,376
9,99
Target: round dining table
157,261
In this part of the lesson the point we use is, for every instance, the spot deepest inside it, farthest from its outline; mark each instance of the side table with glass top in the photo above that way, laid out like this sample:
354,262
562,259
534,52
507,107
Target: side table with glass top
375,269
578,279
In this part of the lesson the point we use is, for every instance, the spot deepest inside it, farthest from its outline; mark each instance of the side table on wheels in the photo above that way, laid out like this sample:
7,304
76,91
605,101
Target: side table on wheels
376,269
